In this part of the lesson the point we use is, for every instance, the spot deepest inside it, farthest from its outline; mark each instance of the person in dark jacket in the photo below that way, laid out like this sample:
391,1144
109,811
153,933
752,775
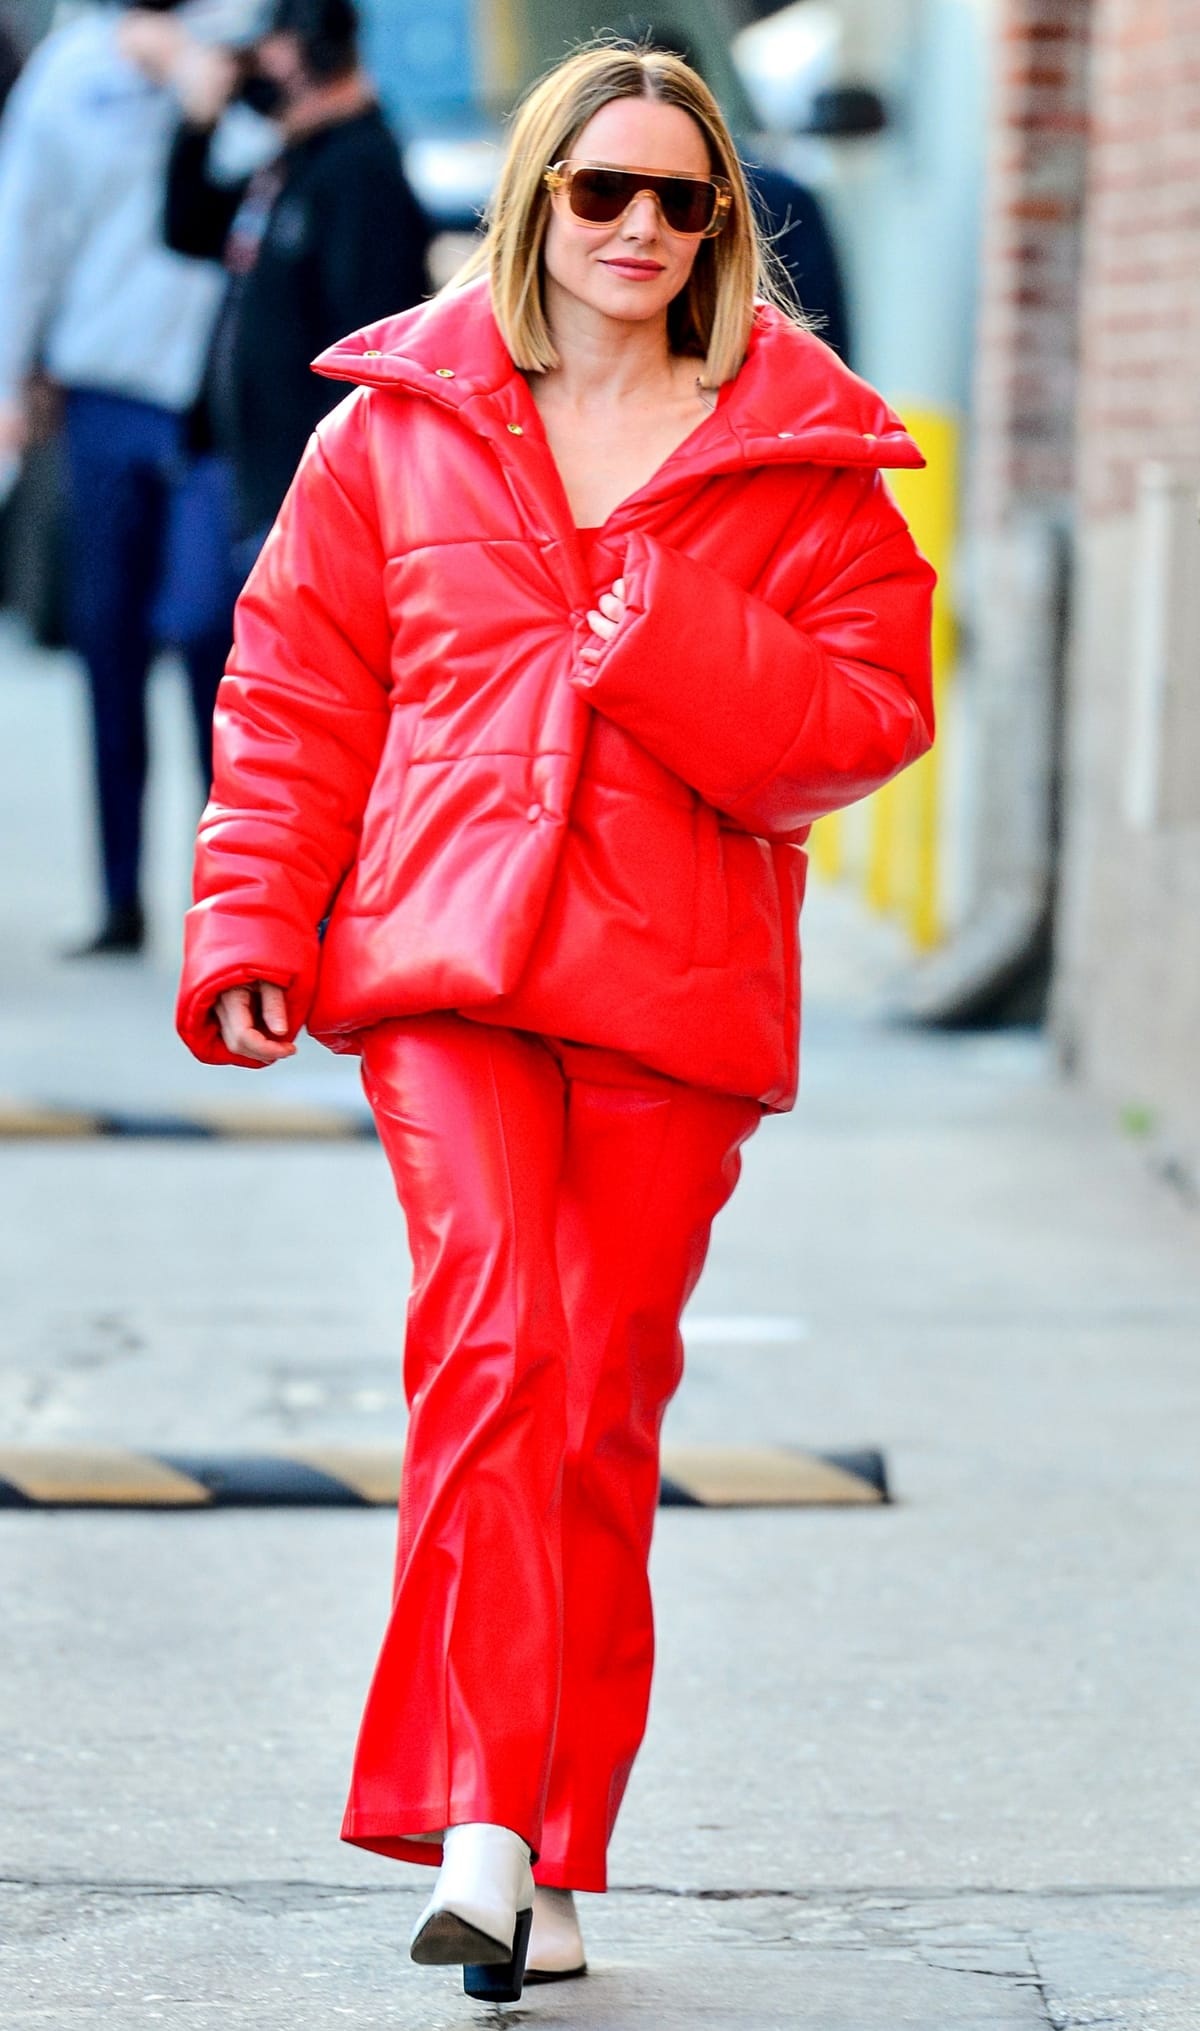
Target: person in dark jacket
325,237
10,62
791,217
796,229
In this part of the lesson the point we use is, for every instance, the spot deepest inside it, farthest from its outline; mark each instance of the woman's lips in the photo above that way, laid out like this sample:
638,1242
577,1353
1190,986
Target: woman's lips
639,270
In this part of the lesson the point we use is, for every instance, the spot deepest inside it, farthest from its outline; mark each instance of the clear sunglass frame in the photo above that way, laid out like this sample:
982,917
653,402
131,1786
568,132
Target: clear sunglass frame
559,176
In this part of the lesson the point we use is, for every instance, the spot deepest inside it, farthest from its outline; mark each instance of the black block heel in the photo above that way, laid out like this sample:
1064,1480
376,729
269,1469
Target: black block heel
503,1981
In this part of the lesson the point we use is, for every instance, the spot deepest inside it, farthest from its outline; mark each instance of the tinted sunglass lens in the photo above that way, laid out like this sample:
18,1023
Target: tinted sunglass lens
600,195
687,207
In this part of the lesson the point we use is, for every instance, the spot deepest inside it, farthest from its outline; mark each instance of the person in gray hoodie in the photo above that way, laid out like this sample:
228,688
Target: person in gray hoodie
89,293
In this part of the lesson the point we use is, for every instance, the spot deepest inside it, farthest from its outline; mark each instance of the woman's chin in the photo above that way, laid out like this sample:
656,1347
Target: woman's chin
623,299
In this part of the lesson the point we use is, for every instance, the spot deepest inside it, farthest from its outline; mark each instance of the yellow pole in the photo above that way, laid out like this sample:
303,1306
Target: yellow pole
826,847
499,42
903,870
881,885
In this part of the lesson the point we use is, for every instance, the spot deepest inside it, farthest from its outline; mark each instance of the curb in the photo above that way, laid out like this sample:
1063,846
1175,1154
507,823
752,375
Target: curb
365,1477
31,1121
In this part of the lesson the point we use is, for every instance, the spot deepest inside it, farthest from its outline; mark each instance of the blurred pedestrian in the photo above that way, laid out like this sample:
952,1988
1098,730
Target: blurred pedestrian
324,238
792,218
10,63
10,71
798,233
587,601
122,325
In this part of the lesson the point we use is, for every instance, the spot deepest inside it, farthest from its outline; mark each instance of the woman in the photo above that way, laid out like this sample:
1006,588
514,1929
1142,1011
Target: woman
586,602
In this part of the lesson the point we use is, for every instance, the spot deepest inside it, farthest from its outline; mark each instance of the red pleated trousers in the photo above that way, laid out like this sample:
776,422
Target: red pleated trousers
558,1200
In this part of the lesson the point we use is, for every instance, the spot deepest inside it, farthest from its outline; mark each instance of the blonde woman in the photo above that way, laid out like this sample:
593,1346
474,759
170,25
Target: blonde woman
584,604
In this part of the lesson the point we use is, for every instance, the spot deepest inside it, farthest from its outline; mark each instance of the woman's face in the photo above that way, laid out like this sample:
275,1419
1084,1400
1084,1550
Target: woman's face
632,269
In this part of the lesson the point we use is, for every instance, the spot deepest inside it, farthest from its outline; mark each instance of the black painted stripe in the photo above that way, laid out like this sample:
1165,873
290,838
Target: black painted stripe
868,1465
673,1495
264,1481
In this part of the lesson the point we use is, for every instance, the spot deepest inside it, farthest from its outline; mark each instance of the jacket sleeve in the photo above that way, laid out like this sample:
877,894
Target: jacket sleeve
371,239
197,210
777,718
299,726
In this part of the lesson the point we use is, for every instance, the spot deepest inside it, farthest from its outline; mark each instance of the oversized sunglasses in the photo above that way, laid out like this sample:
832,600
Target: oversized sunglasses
599,195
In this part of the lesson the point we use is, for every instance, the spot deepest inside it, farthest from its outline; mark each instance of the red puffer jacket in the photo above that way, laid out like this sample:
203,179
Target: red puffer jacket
408,743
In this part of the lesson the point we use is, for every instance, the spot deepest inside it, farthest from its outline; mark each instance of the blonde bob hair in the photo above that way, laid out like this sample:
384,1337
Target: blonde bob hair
711,316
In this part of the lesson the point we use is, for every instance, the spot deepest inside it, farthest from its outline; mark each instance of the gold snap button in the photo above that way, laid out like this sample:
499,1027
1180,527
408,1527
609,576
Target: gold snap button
518,429
869,437
444,373
372,353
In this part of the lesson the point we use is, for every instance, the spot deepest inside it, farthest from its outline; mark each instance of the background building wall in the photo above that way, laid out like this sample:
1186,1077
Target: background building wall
1013,566
1023,477
1127,1000
1027,358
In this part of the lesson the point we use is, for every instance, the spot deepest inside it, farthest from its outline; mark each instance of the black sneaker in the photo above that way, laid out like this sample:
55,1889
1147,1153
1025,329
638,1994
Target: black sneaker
123,930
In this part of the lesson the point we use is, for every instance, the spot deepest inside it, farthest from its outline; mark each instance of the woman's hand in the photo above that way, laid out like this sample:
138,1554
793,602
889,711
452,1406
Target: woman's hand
249,1032
604,622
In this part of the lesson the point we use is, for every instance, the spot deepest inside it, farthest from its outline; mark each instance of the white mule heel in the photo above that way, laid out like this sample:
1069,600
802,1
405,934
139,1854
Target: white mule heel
555,1944
481,1910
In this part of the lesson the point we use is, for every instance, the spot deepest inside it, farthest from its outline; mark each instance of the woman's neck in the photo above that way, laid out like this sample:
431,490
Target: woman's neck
603,360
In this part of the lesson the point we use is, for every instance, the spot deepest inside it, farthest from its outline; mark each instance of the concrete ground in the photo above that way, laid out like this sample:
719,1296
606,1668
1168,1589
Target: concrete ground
931,1767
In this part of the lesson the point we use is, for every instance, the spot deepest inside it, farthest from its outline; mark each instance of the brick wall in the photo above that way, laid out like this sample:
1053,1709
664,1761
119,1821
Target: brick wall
1029,311
1127,985
1141,286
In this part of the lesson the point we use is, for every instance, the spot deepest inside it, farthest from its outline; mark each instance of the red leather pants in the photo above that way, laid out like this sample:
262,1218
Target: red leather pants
558,1201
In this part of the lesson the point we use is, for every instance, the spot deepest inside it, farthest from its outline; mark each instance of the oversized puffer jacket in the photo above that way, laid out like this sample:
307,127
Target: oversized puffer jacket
408,743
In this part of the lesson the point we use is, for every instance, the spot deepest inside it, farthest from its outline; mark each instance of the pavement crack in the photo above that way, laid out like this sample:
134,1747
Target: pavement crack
1055,2018
882,1896
900,1897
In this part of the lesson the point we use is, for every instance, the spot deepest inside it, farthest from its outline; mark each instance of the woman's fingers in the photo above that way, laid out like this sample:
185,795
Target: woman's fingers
240,1032
232,1010
274,1007
604,619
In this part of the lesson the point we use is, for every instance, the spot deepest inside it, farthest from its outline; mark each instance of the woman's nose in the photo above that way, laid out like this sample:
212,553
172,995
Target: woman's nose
641,221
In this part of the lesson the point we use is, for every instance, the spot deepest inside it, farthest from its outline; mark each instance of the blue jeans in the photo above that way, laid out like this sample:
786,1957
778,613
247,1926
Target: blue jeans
148,561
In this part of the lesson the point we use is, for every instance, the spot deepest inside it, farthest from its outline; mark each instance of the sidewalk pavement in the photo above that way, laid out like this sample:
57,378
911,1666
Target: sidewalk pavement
931,1767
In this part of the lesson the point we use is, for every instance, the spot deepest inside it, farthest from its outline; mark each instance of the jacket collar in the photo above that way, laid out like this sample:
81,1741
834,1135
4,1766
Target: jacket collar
793,400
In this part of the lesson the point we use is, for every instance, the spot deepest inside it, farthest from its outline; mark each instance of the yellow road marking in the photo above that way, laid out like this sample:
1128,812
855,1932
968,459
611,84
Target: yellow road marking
717,1477
101,1474
19,1118
737,1476
235,1118
372,1471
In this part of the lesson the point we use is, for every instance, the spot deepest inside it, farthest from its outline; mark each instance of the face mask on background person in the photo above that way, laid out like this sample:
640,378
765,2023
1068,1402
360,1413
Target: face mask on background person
262,94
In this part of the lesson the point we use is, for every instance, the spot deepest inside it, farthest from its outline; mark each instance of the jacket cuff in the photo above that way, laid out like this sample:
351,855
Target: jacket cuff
212,962
670,599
